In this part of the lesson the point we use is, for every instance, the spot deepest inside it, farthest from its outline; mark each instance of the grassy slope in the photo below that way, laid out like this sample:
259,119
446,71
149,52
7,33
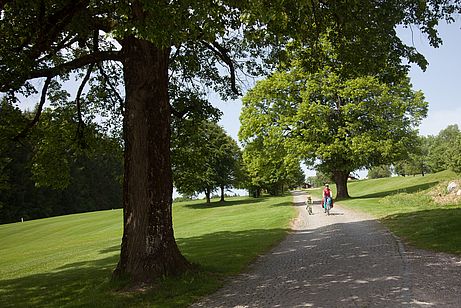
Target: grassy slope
403,205
67,261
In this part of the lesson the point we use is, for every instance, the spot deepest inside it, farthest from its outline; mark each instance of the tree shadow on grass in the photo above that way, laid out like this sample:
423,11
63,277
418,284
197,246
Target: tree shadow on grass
410,189
71,285
204,205
88,283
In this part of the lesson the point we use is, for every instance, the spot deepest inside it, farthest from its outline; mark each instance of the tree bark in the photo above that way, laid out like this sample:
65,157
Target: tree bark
340,178
222,193
207,195
148,249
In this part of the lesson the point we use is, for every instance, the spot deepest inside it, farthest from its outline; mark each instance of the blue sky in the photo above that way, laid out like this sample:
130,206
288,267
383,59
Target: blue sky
440,83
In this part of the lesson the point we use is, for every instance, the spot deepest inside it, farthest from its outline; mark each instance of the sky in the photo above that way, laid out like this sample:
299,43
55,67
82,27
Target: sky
440,83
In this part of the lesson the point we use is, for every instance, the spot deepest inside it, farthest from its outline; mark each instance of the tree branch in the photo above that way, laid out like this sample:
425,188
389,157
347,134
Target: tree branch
76,63
176,113
51,72
107,80
38,113
2,4
81,123
221,52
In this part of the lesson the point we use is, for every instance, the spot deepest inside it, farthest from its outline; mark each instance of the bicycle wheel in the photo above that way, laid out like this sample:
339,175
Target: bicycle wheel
327,206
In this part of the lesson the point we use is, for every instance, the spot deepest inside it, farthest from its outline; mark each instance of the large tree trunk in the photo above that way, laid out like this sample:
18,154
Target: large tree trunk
149,250
340,178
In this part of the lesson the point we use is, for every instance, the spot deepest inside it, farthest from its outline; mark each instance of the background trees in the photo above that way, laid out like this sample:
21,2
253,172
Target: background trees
377,172
46,174
204,158
444,150
268,167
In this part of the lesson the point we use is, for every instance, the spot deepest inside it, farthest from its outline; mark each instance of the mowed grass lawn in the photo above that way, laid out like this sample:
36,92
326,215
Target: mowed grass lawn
405,207
67,261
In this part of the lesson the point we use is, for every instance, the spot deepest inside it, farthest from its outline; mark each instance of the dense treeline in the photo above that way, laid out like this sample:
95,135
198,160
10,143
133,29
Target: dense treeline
47,174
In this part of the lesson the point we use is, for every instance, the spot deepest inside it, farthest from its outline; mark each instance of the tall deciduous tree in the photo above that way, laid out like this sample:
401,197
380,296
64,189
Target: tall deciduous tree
176,42
337,125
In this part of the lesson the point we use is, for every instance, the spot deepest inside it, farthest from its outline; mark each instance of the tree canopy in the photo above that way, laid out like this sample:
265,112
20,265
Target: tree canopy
444,150
337,125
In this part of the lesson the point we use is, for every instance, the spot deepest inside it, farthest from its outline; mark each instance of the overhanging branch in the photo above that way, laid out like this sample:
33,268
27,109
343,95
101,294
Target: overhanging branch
112,87
81,123
50,72
92,58
38,113
221,52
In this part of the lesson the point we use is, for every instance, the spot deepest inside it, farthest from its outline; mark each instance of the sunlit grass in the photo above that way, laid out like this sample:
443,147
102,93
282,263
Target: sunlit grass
67,261
405,207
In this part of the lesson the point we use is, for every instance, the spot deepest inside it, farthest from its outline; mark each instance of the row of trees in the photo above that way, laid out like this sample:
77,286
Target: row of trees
430,154
53,171
204,158
169,53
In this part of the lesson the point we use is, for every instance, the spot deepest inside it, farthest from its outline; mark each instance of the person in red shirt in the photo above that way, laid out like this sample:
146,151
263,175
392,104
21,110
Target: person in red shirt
327,193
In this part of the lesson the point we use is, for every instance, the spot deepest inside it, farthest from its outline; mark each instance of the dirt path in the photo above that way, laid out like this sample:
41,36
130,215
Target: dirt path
346,259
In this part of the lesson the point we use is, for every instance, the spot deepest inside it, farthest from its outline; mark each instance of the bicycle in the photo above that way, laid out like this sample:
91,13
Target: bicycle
309,205
327,205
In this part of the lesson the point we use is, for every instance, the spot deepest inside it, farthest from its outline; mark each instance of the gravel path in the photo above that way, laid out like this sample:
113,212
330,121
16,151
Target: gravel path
346,259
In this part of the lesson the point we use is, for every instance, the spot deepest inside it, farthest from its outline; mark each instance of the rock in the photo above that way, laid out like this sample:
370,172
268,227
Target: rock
451,187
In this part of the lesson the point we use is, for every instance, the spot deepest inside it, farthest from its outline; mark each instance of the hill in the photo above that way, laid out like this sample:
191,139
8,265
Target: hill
407,207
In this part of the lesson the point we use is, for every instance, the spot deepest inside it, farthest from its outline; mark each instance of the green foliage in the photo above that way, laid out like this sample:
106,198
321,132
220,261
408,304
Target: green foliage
321,179
355,123
383,171
444,150
48,174
204,157
67,261
337,125
54,40
269,167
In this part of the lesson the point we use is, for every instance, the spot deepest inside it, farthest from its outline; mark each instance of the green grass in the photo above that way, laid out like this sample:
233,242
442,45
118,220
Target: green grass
404,206
67,261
